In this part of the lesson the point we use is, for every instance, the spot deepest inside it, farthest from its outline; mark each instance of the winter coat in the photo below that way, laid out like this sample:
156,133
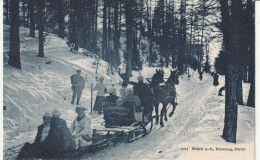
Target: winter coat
78,82
34,150
111,98
65,140
51,147
81,128
101,88
145,95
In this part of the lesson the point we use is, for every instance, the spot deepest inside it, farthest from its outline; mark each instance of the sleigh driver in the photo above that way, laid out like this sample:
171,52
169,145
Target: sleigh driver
146,97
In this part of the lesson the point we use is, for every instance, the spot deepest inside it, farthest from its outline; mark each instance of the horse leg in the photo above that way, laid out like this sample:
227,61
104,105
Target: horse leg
165,114
162,112
173,108
156,112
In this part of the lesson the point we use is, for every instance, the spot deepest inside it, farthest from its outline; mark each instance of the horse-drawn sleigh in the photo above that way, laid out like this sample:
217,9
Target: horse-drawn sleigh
124,123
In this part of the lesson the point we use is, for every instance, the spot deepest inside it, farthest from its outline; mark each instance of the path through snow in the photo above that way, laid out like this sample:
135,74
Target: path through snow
197,122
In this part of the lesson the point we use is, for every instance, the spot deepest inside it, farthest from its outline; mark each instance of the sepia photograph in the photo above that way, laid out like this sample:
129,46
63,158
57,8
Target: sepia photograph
129,79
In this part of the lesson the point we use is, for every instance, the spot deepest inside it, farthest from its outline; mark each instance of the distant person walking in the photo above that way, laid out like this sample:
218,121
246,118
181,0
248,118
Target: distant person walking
215,79
78,84
101,90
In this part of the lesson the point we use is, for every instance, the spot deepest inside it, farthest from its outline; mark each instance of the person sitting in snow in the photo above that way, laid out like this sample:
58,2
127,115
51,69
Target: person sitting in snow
112,98
78,84
64,141
38,148
101,90
53,138
81,128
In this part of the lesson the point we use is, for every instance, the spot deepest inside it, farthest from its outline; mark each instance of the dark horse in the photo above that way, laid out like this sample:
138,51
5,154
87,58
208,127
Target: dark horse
172,81
164,94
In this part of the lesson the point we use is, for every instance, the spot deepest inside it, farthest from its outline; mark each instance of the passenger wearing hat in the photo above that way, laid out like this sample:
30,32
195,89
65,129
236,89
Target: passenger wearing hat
78,84
129,97
64,141
81,129
145,95
53,138
112,98
101,89
37,149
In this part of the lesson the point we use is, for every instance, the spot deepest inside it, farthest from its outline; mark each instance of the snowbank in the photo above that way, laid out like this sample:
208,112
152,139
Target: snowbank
43,85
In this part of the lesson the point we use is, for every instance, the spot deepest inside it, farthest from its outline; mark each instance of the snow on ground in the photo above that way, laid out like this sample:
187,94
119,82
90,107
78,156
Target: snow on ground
197,122
40,87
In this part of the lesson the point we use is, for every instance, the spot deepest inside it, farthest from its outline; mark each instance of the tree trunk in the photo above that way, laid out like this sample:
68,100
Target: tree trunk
24,10
31,8
73,26
250,33
129,36
251,96
232,73
251,52
239,88
104,39
60,18
7,12
96,26
230,121
109,22
41,4
116,35
14,55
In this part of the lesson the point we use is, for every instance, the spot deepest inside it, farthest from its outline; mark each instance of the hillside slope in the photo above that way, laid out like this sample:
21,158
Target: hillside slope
41,87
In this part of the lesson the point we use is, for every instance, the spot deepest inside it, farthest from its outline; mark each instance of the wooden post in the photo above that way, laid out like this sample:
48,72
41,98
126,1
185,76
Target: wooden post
91,97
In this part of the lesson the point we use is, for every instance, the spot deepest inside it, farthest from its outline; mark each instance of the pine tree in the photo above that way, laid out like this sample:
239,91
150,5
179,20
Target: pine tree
31,9
72,24
6,13
230,122
14,55
60,7
104,38
41,4
129,36
207,65
251,51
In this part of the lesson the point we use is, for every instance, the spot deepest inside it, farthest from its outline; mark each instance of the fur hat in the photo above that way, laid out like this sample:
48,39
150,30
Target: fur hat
47,114
56,113
140,78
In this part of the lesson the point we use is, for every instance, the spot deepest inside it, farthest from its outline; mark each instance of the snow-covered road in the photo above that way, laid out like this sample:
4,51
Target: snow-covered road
197,122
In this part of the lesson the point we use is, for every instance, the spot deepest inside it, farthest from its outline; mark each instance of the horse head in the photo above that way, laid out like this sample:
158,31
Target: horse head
157,78
174,78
